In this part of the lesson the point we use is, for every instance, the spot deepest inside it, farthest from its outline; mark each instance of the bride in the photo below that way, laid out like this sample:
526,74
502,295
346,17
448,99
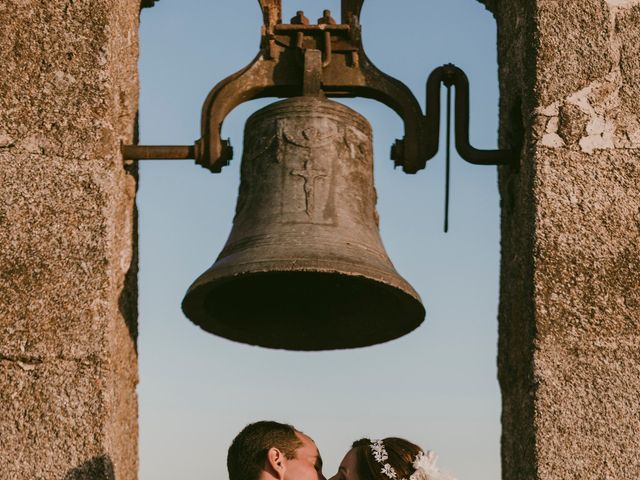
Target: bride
388,459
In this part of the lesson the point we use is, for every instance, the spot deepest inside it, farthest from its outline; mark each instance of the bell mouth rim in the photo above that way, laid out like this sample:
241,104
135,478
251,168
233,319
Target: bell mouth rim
193,306
229,266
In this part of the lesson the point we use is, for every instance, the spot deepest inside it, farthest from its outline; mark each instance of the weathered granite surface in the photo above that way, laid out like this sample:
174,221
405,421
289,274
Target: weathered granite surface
569,347
68,326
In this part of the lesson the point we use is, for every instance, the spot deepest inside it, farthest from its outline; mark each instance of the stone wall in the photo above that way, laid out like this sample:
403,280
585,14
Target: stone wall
569,317
68,368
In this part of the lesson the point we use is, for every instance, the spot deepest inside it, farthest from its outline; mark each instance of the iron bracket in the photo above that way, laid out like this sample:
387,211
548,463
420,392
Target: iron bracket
327,58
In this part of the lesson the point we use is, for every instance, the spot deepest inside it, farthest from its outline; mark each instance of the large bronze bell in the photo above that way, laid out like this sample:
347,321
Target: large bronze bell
304,267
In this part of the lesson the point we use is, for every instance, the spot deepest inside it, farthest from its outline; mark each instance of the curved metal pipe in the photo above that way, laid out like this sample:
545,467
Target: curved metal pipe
451,75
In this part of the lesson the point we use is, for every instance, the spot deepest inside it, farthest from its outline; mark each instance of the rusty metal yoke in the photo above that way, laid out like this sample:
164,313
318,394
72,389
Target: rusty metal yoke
328,59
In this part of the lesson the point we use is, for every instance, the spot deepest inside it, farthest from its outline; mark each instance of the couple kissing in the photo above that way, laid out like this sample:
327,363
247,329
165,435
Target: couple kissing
268,450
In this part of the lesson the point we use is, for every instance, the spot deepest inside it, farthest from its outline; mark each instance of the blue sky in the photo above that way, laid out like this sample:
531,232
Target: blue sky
436,386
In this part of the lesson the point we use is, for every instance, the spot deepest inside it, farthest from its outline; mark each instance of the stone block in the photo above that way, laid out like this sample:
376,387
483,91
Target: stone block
573,47
588,409
52,417
587,245
628,37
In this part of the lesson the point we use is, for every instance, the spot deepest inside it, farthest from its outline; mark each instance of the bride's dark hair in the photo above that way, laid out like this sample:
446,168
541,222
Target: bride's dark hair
401,454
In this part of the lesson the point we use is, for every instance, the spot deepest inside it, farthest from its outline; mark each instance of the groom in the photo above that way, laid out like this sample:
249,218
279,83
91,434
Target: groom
273,451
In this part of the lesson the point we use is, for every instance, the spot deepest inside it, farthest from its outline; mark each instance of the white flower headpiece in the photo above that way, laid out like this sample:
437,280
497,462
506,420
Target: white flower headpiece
424,465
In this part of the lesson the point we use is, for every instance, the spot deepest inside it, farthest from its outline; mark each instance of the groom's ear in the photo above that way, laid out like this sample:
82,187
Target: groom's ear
276,462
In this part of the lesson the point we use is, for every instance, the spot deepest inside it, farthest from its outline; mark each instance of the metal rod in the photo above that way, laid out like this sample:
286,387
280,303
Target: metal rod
158,152
448,162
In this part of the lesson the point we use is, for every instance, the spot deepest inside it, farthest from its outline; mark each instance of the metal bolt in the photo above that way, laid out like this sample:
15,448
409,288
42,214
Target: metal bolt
326,19
397,152
300,19
448,74
227,152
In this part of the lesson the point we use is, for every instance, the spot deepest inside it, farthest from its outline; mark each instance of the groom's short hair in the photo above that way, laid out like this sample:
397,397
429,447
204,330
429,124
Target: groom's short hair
248,452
